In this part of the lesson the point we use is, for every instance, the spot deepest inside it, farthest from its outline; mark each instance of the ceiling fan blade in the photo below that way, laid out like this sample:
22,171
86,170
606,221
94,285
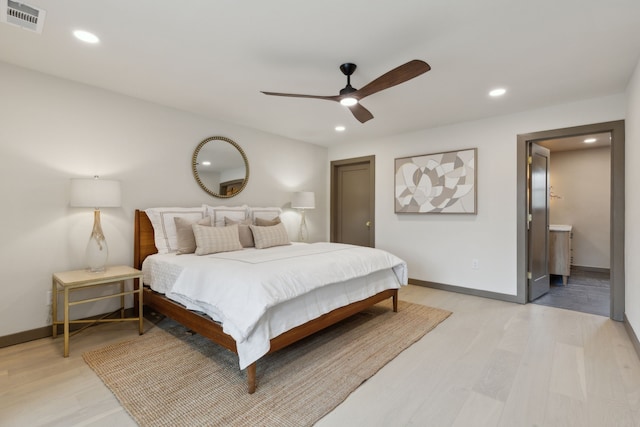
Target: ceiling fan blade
295,95
392,78
361,113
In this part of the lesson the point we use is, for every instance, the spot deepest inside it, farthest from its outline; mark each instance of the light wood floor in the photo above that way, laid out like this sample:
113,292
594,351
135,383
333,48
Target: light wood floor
490,364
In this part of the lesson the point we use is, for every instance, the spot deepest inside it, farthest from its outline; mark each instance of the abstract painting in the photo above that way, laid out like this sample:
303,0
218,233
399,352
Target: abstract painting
437,183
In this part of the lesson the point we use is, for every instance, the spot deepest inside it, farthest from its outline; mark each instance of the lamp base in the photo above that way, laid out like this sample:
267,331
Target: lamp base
302,233
97,249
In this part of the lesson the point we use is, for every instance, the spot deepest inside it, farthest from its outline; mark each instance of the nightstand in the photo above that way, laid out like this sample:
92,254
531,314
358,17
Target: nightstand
67,281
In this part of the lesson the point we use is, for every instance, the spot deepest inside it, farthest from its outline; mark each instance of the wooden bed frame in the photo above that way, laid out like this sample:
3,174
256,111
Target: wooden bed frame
144,245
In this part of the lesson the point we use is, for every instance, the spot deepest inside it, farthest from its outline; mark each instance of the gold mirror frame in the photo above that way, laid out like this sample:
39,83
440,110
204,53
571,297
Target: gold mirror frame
236,185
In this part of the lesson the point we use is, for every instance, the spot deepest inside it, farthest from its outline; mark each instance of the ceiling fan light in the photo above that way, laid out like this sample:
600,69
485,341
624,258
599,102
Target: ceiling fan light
348,101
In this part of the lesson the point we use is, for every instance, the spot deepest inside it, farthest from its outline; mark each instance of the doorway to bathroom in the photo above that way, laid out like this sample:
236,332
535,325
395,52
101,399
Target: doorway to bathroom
582,255
578,237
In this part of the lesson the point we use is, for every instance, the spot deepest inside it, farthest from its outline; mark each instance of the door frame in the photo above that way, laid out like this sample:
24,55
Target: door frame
616,130
333,207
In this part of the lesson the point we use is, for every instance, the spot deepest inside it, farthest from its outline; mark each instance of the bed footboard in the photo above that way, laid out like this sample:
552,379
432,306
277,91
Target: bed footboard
213,331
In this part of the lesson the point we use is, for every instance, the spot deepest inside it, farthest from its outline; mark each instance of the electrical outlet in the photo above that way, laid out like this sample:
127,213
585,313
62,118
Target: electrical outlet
475,264
48,301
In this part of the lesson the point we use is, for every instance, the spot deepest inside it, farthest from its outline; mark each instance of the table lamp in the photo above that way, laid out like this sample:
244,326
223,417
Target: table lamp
96,193
303,200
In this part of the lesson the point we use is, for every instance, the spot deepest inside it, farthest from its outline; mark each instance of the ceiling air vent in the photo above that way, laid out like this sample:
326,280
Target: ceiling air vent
22,15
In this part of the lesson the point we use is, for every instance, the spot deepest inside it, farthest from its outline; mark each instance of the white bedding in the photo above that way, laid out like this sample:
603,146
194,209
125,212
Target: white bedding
258,294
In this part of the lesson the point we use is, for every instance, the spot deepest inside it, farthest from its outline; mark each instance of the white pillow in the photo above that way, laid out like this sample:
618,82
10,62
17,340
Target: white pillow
164,226
267,237
268,213
218,213
210,240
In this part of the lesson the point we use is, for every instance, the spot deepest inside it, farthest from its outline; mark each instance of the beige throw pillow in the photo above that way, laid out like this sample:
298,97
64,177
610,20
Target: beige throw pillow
210,240
244,232
267,222
266,237
264,213
184,233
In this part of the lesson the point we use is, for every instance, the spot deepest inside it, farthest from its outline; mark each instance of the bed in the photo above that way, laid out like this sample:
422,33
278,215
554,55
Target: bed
205,324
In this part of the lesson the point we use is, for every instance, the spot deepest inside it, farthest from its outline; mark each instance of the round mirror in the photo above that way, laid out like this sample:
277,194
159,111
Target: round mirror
220,167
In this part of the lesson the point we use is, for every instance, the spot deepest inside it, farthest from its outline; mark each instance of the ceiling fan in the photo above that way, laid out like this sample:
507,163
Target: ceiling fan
350,97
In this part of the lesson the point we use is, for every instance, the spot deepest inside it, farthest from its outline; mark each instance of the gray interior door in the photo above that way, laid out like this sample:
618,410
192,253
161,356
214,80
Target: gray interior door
352,201
538,189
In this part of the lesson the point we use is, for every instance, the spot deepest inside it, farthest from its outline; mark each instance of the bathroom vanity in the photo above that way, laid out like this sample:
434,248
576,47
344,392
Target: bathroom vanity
560,251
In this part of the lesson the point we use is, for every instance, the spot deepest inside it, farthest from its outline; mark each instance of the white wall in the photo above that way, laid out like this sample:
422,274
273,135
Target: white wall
632,203
440,247
582,180
53,130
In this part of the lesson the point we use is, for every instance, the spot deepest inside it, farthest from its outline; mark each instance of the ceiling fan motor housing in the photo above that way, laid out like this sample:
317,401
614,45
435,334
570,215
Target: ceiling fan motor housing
348,68
347,90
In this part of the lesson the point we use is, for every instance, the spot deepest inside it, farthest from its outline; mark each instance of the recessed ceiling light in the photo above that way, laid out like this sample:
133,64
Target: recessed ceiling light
589,140
340,128
86,36
497,92
206,163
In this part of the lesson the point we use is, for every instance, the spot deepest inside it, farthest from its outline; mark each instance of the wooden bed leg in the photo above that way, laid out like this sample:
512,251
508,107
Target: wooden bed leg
251,378
395,301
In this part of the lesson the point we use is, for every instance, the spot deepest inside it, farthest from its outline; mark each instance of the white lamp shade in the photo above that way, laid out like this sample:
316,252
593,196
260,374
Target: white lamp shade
95,193
303,200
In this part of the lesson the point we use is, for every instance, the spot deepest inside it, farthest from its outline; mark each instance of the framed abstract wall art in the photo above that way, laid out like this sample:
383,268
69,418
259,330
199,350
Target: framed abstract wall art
437,183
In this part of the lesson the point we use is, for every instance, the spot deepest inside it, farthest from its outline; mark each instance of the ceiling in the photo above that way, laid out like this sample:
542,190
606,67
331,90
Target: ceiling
213,57
573,143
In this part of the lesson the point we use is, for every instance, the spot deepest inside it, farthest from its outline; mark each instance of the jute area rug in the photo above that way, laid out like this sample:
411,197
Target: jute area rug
168,377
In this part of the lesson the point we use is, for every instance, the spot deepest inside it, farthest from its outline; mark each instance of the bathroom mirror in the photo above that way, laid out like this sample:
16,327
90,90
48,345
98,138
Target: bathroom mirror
220,167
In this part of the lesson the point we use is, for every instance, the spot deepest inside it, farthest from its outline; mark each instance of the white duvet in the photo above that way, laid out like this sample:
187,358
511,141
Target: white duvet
238,288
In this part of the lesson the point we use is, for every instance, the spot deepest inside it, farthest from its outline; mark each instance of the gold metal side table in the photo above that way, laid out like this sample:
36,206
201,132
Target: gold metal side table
67,281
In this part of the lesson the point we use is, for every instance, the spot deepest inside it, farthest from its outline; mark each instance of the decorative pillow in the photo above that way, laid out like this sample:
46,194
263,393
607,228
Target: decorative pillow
267,222
265,213
266,237
184,231
210,240
244,232
164,227
218,213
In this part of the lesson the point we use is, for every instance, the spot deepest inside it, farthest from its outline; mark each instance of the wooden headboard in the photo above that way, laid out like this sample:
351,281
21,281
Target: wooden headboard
143,240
